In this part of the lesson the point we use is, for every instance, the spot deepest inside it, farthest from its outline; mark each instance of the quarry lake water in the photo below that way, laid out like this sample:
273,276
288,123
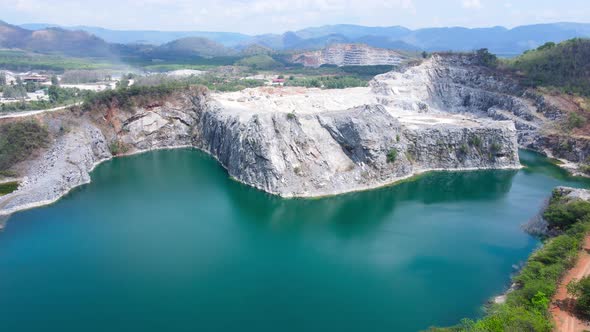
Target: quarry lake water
165,241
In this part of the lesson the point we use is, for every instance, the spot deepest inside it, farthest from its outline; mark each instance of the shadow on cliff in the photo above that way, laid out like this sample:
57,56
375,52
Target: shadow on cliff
347,216
536,163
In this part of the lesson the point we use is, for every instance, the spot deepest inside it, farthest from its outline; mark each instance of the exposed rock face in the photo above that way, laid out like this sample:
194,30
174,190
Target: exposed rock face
572,194
301,142
349,55
335,152
456,84
64,166
574,149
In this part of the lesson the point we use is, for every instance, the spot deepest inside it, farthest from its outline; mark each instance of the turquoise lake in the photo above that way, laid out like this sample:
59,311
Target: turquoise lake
165,241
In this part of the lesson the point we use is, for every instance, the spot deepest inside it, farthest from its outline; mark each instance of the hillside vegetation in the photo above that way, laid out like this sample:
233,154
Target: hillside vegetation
565,66
18,140
195,46
259,62
24,61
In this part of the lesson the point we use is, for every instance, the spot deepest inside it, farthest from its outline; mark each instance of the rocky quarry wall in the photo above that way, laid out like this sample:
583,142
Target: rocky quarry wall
349,55
445,114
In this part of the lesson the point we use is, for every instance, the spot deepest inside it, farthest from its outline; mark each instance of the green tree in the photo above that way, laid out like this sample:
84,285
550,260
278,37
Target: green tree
31,87
581,290
562,215
2,78
14,92
573,288
123,83
486,58
54,94
540,301
575,120
54,80
392,156
546,46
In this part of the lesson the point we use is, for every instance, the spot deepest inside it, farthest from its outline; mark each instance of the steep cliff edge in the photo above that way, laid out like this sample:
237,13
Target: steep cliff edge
459,84
333,152
291,142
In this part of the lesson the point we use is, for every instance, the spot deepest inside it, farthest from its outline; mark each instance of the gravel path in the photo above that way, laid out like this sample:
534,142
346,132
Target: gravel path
30,113
562,305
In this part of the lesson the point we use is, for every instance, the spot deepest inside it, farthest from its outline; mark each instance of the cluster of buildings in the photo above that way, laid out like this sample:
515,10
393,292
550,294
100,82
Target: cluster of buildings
12,78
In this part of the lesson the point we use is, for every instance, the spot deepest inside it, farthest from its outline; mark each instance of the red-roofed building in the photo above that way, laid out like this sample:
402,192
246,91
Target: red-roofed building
278,81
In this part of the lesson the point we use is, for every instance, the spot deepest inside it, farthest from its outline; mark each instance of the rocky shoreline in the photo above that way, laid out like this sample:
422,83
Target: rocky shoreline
4,212
71,158
445,114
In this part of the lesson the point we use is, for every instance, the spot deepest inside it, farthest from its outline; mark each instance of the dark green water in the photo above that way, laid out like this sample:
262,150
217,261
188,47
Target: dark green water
166,242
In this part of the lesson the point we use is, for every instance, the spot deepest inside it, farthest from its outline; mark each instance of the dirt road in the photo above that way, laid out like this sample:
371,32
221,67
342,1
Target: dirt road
30,113
562,305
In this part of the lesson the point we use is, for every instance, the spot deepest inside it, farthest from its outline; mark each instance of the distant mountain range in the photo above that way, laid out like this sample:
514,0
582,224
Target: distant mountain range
228,39
498,40
53,40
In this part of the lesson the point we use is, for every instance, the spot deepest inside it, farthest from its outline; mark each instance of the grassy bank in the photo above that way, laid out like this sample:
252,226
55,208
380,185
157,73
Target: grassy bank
18,140
564,66
7,188
526,308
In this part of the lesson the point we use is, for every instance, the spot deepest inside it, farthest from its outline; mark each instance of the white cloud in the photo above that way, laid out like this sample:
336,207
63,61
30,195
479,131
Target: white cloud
277,16
472,4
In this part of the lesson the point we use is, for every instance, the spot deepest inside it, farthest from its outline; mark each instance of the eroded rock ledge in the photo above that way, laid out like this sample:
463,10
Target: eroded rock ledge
291,142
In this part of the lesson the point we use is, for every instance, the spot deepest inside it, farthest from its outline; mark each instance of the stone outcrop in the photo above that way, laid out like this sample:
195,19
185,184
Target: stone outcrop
459,84
65,165
298,142
572,194
340,151
349,55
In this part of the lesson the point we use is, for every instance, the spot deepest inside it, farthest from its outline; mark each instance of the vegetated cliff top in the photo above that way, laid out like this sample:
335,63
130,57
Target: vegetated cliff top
565,66
561,74
19,140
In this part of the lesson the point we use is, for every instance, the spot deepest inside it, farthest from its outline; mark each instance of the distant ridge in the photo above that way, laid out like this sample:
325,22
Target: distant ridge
53,40
499,40
155,37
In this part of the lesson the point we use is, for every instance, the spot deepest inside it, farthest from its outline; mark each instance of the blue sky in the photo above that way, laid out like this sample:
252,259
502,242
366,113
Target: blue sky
276,16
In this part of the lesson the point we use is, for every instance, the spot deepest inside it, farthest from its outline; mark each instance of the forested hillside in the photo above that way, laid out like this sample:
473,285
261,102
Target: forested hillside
565,66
